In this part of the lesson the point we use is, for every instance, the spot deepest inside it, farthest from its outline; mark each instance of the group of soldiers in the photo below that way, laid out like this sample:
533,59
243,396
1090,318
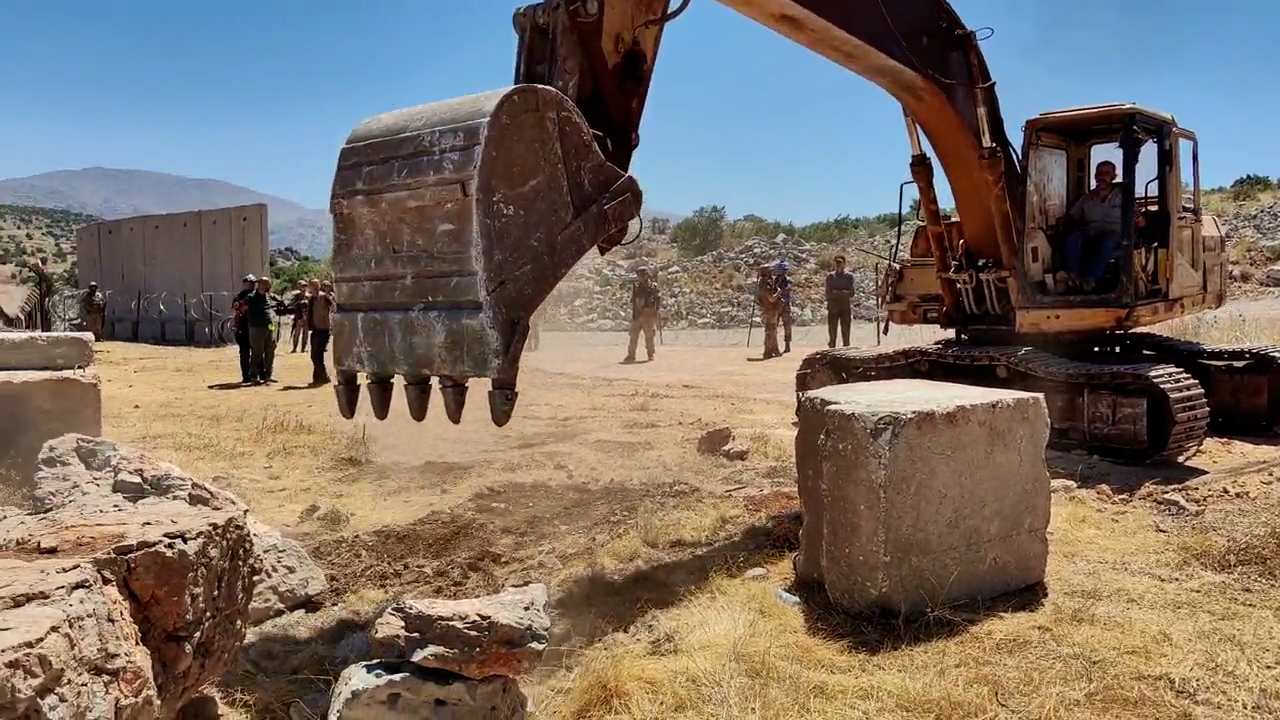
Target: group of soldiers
257,310
772,298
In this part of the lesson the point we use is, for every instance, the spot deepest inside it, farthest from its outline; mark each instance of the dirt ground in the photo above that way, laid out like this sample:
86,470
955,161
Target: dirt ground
596,488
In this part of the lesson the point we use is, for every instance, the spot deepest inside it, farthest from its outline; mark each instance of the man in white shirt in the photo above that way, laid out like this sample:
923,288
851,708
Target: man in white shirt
1095,234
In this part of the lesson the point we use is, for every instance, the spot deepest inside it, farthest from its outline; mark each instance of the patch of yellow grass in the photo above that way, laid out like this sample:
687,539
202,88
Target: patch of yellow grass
1223,328
1126,632
1241,540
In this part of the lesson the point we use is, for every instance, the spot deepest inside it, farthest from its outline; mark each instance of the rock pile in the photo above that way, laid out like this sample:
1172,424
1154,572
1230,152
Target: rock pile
713,291
127,585
455,659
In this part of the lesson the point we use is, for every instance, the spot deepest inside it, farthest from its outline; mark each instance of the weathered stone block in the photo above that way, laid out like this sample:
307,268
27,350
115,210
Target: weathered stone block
45,351
918,494
41,405
390,689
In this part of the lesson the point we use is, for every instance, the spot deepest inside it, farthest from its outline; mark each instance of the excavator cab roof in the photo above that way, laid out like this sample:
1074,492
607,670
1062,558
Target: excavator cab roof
1092,118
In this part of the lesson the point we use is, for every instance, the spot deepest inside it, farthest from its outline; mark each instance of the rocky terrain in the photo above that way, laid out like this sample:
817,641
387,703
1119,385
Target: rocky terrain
714,291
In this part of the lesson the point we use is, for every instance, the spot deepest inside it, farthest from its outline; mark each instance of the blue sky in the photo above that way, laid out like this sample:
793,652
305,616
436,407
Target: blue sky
263,93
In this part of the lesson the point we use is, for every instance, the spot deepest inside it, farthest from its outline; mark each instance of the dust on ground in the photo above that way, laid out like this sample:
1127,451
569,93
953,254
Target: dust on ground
596,488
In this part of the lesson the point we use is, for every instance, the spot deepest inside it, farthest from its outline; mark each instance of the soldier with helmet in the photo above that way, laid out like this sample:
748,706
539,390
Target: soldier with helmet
93,306
646,303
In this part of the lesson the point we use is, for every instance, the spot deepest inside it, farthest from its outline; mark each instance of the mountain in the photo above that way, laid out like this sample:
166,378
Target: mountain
115,193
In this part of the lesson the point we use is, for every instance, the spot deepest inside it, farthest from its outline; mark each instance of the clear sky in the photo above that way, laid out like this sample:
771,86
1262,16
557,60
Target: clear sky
262,93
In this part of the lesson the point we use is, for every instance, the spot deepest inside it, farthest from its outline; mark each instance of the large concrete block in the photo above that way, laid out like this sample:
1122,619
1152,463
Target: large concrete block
45,351
918,494
42,405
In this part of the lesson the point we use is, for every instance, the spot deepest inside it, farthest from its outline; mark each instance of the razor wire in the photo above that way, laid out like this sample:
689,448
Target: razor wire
164,317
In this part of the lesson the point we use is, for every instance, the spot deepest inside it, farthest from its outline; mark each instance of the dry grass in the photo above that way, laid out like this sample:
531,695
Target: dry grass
1224,327
1241,541
1122,635
597,490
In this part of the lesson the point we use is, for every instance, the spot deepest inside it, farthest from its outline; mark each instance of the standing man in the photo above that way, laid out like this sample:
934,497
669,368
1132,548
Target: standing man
240,308
769,298
93,306
262,338
783,283
839,302
646,302
320,313
299,304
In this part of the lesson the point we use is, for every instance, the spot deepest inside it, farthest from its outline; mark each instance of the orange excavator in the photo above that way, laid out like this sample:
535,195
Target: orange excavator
454,221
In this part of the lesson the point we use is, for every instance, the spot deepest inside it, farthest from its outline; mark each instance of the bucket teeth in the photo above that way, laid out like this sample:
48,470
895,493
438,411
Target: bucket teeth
502,403
380,390
454,395
347,391
417,393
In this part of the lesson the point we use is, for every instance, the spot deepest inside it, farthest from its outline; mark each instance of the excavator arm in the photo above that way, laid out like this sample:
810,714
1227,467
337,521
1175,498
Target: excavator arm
454,221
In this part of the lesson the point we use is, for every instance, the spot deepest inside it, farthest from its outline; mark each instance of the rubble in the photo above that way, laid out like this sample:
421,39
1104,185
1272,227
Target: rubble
713,291
389,689
455,659
502,634
920,494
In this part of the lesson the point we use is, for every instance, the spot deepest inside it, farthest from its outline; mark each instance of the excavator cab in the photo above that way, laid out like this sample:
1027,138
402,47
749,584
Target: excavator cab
1166,251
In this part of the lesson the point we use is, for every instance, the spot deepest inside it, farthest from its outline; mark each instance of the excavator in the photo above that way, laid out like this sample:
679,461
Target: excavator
454,221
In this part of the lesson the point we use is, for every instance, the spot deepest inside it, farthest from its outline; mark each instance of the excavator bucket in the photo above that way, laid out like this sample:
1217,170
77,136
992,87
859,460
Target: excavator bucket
452,223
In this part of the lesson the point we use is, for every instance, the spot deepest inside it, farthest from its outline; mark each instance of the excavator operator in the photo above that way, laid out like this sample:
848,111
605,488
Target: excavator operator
1094,235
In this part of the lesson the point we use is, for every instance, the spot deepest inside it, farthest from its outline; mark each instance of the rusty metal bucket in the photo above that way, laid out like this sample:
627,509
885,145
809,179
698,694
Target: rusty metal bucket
452,223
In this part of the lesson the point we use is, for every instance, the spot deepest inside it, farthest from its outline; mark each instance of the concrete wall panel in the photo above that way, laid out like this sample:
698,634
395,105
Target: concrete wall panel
168,256
215,260
88,255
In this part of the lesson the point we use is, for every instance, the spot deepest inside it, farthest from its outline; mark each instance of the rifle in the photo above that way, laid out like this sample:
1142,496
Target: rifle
662,320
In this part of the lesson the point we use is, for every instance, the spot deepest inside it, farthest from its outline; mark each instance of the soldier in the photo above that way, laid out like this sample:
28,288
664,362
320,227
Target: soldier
646,302
769,298
783,283
262,339
319,314
240,309
839,302
92,307
535,331
299,304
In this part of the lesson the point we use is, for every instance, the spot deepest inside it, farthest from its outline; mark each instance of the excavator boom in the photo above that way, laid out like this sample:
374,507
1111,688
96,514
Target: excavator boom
454,221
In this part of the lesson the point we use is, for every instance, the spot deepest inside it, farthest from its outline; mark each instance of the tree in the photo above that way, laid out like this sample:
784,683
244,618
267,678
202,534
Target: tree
701,232
659,226
1249,187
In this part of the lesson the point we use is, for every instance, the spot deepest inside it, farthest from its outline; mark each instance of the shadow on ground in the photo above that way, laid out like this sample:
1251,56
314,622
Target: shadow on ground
597,604
883,632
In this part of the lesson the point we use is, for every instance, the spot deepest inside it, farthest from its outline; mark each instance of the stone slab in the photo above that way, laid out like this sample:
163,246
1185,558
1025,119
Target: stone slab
45,351
38,406
919,494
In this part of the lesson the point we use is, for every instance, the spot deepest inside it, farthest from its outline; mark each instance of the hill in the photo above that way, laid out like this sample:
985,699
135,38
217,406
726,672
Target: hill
29,233
115,193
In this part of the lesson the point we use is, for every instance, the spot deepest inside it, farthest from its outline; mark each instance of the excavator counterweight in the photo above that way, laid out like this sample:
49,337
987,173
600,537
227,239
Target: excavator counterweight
453,222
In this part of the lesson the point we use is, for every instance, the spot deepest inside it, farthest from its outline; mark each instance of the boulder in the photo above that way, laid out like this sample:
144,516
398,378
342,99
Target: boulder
920,494
714,440
45,351
76,467
116,609
503,634
390,689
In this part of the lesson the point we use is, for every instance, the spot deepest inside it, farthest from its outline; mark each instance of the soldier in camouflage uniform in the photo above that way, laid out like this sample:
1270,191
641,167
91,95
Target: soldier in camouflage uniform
769,298
92,307
646,303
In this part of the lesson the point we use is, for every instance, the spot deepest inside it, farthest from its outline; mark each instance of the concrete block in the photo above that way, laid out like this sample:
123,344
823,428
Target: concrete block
122,329
175,331
45,351
150,330
919,494
42,405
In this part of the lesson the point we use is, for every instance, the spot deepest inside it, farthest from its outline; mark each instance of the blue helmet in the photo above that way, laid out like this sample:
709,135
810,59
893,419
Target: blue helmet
780,267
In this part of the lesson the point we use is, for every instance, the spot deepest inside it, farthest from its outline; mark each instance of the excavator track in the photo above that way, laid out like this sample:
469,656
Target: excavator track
1132,413
1241,382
